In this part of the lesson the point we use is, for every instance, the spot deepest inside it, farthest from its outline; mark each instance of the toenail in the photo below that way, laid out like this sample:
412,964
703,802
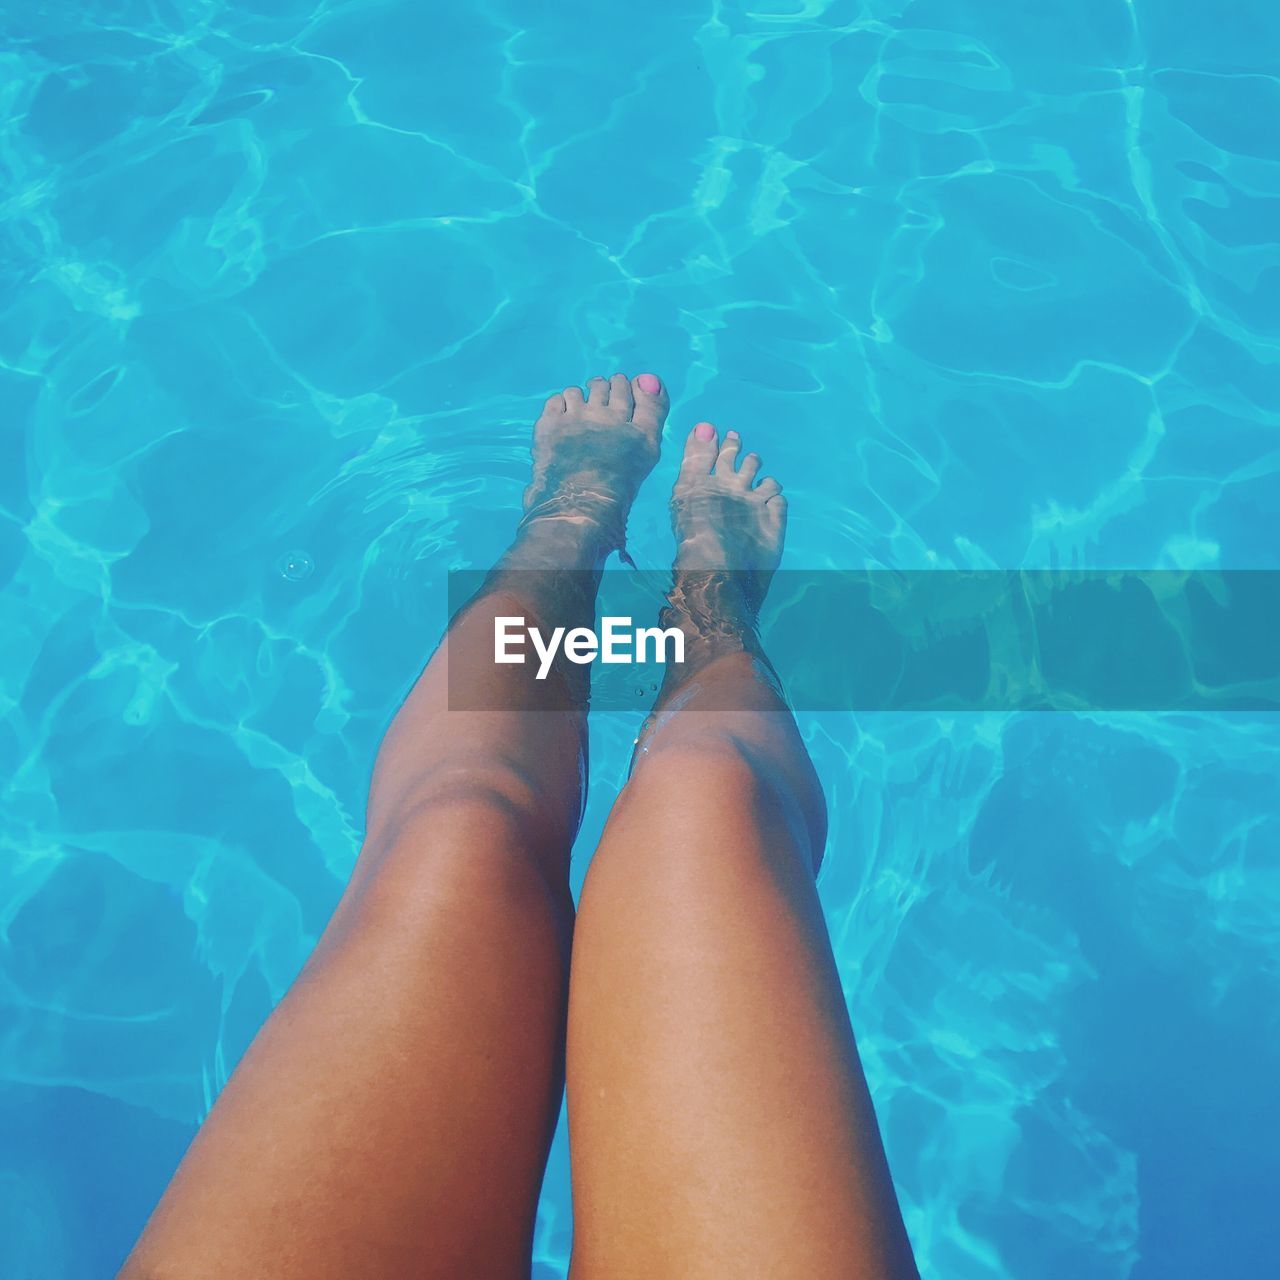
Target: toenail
705,431
730,435
649,384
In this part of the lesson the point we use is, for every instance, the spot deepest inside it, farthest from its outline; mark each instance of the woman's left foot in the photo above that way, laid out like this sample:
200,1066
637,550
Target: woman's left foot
591,453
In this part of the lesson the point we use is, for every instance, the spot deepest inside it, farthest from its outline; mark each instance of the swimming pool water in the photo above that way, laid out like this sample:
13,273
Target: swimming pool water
988,285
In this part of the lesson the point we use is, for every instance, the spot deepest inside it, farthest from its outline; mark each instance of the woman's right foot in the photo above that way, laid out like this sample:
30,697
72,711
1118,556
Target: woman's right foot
729,532
722,519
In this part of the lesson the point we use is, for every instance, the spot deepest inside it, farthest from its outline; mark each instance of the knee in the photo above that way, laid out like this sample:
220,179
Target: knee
491,802
717,783
426,884
474,839
697,767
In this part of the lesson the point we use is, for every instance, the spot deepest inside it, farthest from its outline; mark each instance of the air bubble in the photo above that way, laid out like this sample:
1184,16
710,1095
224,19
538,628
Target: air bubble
296,565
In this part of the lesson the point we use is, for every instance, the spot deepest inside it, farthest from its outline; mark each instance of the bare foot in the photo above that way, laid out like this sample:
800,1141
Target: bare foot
729,533
722,519
590,454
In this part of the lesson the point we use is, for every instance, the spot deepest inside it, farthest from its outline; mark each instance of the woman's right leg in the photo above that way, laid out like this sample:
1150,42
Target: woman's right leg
720,1125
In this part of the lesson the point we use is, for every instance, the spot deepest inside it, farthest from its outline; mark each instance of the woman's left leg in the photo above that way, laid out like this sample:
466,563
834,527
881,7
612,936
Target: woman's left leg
392,1117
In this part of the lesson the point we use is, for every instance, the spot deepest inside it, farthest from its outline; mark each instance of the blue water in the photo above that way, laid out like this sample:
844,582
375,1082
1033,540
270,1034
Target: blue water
988,285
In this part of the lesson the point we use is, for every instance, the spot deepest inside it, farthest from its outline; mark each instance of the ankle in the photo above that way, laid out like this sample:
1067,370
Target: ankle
575,542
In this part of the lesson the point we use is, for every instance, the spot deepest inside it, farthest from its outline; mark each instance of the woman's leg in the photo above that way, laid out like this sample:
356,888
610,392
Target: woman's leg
719,1121
393,1116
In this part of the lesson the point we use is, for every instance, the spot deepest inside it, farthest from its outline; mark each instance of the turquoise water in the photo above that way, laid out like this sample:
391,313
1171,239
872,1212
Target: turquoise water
989,286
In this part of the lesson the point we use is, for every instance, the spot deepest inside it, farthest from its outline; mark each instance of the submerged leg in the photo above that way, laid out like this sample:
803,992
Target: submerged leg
393,1116
719,1121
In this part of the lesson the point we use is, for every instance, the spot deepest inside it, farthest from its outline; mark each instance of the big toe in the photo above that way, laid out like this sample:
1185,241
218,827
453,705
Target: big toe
651,402
700,451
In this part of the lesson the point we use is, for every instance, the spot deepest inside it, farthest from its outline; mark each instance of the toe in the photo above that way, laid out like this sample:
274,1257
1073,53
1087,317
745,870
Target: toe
768,488
597,392
554,404
620,394
651,402
573,397
776,510
699,451
727,458
749,467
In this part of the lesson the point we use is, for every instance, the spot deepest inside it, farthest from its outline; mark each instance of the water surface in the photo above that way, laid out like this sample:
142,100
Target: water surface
989,286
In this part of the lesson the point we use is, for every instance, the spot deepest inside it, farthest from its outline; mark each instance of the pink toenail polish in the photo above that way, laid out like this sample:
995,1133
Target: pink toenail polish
649,384
730,435
705,431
